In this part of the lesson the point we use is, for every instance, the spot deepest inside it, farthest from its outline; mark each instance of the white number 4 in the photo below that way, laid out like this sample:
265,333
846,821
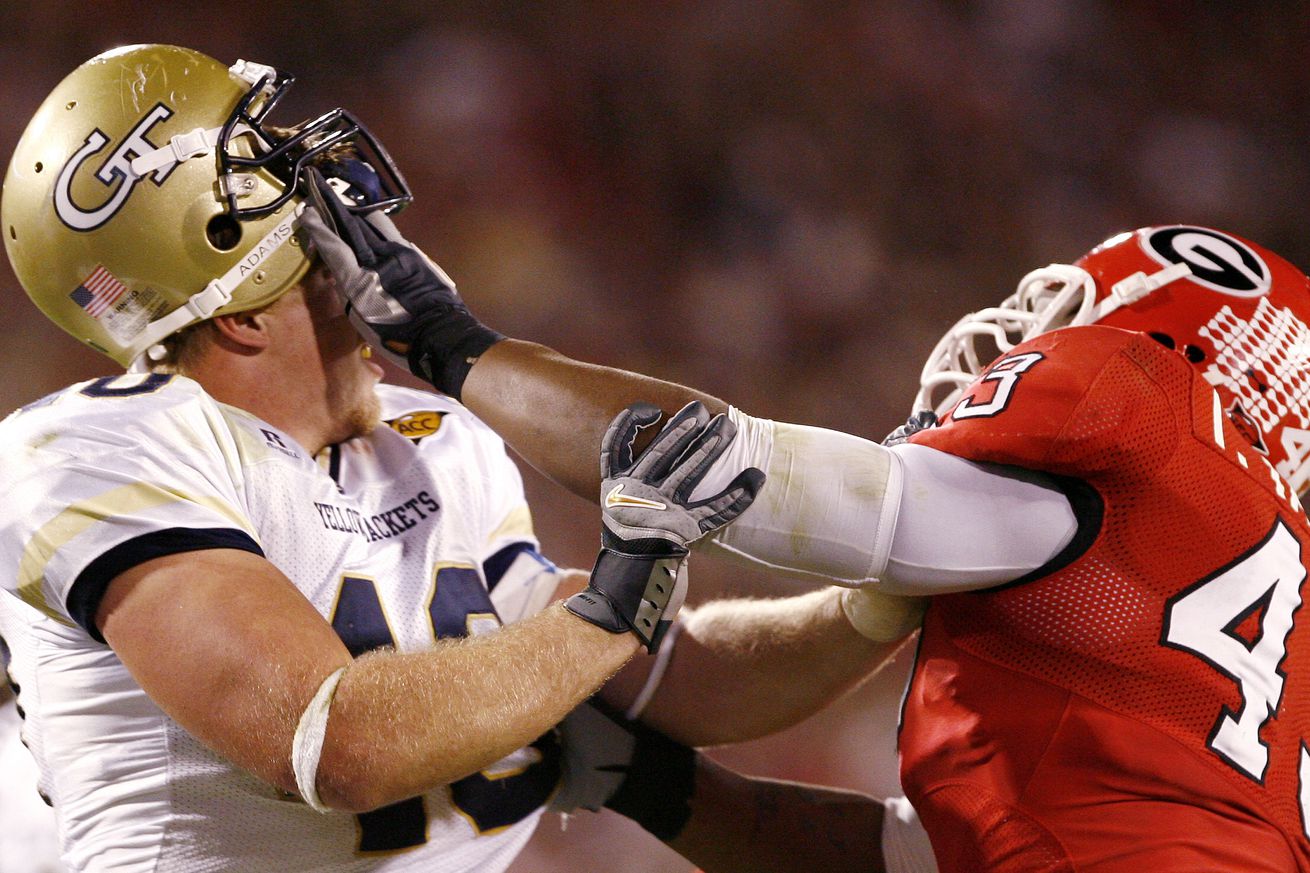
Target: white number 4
1203,620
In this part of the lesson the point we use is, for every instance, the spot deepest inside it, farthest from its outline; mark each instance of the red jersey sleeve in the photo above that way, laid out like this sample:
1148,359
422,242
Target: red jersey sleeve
1060,402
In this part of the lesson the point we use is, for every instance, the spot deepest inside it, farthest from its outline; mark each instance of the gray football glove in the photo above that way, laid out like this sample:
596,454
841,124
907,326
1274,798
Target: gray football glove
613,762
402,303
597,751
921,420
639,580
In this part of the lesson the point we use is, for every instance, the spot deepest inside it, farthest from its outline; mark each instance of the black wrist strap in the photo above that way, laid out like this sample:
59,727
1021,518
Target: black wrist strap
448,348
625,591
657,791
596,607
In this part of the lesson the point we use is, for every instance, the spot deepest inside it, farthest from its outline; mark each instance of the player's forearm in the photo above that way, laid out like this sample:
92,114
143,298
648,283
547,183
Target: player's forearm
743,824
746,668
553,410
402,724
828,508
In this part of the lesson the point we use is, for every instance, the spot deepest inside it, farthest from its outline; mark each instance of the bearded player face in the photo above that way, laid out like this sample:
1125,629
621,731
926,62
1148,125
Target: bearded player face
349,377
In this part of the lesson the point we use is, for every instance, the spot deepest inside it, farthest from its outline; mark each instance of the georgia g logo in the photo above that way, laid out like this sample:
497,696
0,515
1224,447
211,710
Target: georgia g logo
1218,261
117,169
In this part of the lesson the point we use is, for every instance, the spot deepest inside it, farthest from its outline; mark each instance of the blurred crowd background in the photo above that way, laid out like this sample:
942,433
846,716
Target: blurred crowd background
784,203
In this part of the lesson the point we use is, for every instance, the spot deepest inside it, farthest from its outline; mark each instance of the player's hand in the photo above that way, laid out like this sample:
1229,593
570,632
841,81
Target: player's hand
921,420
597,751
610,761
397,298
639,581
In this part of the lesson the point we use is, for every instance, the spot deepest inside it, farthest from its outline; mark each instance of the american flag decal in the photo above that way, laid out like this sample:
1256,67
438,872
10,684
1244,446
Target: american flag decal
98,292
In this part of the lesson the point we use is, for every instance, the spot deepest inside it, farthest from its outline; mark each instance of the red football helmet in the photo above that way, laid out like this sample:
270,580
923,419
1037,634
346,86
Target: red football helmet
1236,310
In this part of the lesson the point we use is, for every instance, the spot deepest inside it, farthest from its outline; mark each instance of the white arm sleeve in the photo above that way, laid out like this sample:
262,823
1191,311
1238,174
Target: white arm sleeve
964,525
909,520
905,846
828,506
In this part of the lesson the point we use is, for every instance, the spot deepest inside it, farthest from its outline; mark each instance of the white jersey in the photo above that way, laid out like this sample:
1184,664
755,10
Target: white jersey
27,825
395,538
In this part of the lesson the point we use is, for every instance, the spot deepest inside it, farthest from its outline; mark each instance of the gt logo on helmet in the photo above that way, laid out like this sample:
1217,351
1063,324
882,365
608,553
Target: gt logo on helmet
1218,261
118,167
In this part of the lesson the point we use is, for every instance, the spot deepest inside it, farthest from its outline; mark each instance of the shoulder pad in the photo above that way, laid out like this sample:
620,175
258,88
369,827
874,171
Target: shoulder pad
1068,393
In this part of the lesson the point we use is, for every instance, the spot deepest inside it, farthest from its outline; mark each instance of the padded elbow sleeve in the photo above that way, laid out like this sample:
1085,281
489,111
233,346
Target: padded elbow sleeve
828,507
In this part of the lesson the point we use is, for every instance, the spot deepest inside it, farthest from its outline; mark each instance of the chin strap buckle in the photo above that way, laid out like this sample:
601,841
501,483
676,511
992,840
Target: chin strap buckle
191,145
1133,288
182,147
252,73
208,301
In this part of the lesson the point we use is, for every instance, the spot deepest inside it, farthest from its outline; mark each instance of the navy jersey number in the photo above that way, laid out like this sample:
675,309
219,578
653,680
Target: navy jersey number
106,387
490,801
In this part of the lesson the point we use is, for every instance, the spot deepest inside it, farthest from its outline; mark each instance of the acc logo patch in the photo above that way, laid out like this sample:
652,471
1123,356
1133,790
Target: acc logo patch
1218,261
417,425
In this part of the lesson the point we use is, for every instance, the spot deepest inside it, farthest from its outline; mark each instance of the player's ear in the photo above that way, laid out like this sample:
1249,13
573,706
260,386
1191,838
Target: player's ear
247,332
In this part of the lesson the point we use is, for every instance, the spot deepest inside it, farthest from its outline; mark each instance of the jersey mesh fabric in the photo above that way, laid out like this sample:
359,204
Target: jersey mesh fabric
1017,841
1136,422
134,790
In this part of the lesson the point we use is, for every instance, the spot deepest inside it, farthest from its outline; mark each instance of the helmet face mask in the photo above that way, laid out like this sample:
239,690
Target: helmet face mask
1237,311
149,192
335,141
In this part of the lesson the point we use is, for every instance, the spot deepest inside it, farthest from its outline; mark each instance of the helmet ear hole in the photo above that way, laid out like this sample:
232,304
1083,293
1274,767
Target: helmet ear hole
1164,339
223,232
1195,354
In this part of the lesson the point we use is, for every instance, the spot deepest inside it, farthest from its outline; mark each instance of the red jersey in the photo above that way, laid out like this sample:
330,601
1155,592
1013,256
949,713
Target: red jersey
1142,703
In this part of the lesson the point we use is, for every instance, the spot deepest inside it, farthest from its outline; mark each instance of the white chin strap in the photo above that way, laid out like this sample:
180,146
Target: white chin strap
199,142
182,147
213,296
1137,286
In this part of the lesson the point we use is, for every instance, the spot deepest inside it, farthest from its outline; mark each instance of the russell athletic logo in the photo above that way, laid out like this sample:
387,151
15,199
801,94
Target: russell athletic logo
1217,261
616,497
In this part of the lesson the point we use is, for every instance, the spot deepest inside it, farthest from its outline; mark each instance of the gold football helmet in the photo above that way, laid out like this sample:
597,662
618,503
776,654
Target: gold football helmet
148,194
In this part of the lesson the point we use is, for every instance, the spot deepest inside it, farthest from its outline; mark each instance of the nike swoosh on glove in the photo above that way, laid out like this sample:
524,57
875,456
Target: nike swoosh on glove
649,519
